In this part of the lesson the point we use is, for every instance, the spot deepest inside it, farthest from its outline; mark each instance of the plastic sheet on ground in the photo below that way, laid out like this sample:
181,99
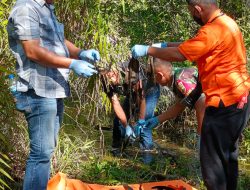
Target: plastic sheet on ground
61,182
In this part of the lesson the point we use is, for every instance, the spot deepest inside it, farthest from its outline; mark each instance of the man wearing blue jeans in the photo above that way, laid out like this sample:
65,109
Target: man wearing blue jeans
146,142
43,61
144,97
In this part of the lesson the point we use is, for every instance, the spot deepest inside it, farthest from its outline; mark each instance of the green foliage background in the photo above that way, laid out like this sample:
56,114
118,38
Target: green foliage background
112,27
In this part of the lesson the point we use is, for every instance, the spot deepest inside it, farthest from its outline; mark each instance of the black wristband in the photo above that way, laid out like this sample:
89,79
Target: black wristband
192,98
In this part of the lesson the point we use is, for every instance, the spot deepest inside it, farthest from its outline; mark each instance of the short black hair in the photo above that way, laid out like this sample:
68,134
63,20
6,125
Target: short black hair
195,2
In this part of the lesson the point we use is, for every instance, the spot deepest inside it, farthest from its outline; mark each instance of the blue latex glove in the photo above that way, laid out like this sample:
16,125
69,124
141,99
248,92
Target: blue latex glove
152,122
82,68
90,55
160,45
138,129
128,131
141,122
139,50
129,134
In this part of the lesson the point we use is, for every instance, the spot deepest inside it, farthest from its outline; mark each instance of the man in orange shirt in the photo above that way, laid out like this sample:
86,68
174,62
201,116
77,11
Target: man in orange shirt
220,54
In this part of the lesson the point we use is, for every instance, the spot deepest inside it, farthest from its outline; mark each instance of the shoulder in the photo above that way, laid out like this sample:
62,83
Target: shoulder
185,80
205,32
24,9
190,70
186,73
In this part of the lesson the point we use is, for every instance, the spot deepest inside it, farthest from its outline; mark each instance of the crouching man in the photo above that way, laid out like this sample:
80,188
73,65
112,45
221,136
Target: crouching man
188,91
138,105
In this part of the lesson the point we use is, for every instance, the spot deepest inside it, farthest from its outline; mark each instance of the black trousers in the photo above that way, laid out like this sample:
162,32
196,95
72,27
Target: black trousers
221,129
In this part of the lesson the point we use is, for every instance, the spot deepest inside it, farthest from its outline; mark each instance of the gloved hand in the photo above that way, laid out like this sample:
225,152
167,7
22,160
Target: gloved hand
82,68
160,45
152,122
139,50
91,55
138,129
129,133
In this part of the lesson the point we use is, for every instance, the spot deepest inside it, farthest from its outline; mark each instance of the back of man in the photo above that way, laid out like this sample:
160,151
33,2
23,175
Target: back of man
184,81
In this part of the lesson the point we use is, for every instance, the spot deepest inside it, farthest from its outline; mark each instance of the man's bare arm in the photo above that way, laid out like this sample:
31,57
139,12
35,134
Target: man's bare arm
142,108
172,112
174,44
169,53
41,55
119,110
73,50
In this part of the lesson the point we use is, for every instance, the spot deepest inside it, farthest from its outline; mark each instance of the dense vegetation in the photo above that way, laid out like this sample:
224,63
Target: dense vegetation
112,27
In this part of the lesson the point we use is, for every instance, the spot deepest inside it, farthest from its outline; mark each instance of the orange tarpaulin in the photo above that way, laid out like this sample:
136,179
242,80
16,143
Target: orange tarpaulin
61,182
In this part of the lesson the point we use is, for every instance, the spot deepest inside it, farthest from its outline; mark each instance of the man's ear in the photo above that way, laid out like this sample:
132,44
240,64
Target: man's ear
198,8
159,75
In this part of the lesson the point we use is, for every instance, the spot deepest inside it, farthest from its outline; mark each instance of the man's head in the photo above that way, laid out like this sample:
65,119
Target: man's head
49,1
201,10
162,72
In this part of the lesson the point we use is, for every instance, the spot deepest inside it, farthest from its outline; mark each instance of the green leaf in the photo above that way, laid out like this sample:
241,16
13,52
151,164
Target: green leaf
4,163
2,182
4,156
4,23
123,6
5,174
4,70
2,138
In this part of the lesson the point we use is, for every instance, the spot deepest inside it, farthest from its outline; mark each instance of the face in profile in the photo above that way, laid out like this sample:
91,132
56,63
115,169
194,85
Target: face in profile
194,11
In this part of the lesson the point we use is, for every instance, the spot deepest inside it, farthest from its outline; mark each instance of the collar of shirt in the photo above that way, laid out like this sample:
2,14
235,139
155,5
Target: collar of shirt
215,14
51,6
43,2
40,2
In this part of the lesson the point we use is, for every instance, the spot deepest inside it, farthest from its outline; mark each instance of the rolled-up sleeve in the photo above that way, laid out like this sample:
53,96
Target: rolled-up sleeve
25,23
198,46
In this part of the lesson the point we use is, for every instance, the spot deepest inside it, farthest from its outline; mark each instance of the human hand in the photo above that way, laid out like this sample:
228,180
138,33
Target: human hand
128,131
152,122
160,45
138,129
129,134
91,55
139,50
82,68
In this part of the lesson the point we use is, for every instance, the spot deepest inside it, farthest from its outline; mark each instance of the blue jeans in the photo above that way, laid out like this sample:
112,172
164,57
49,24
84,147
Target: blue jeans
146,142
44,116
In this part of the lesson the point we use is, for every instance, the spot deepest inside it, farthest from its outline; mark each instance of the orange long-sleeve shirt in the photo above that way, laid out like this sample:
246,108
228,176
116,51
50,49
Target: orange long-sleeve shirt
219,51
